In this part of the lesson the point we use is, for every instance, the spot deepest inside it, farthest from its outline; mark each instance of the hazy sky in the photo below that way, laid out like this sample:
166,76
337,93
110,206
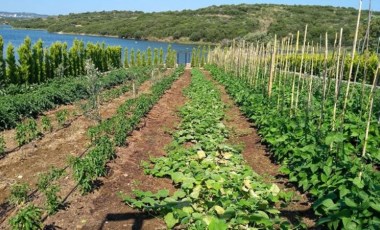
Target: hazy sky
54,7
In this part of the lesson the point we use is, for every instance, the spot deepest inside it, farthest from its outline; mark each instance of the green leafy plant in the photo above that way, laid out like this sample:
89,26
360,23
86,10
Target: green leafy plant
62,116
46,124
53,201
45,179
216,190
19,194
21,134
27,218
2,145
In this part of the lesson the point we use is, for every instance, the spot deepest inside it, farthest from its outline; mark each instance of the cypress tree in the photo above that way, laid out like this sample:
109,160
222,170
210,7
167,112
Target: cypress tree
143,59
139,59
168,58
193,54
149,54
161,59
156,58
126,61
11,65
25,60
65,60
38,57
2,62
133,61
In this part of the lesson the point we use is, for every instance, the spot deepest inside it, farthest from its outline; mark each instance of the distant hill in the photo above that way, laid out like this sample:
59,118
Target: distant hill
212,24
21,15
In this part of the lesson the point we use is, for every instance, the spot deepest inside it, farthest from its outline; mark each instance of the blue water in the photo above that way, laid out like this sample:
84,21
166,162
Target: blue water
17,36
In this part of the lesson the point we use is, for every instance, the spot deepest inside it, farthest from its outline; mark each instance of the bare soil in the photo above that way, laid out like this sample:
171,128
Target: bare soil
53,149
104,209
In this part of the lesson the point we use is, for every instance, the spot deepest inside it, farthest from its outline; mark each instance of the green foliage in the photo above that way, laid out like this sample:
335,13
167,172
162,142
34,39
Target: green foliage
26,131
28,218
46,124
255,22
62,116
3,78
216,190
53,201
45,179
94,88
11,69
29,101
93,165
36,64
328,164
126,58
2,145
19,194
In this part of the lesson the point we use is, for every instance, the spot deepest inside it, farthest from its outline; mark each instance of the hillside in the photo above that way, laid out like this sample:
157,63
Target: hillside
211,24
21,15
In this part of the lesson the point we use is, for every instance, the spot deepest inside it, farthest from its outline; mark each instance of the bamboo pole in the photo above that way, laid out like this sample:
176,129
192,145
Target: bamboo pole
273,63
301,67
352,61
337,80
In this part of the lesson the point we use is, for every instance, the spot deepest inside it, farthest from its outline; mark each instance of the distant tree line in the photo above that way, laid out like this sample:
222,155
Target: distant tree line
259,22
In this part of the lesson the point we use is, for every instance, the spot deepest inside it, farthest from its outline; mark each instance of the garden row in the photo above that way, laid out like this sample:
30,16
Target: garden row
87,169
328,163
216,189
14,108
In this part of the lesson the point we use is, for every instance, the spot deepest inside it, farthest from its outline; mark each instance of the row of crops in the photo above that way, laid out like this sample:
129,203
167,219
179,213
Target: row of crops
36,64
322,126
215,187
18,105
88,168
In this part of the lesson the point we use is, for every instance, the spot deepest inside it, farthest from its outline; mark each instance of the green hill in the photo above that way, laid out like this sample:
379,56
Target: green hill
211,24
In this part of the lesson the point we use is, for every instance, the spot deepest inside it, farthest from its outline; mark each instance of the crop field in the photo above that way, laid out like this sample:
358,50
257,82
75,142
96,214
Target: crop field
283,134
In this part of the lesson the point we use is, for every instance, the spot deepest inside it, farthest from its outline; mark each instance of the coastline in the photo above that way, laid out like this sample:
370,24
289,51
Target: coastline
183,41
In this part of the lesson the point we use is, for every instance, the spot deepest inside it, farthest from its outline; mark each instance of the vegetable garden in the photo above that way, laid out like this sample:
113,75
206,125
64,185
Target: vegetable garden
316,109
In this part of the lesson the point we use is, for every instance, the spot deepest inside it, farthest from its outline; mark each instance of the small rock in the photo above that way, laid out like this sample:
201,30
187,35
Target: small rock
19,176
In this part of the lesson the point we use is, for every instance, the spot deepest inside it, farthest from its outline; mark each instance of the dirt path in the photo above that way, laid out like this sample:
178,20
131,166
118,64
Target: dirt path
103,209
53,149
258,158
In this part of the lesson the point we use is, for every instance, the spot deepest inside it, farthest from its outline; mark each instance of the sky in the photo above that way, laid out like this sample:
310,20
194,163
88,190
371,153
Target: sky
55,7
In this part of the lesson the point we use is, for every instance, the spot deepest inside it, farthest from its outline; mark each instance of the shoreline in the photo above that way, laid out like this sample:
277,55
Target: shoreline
150,39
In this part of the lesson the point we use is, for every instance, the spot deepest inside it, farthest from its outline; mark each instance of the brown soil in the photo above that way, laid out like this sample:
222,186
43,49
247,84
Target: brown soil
259,159
24,164
104,209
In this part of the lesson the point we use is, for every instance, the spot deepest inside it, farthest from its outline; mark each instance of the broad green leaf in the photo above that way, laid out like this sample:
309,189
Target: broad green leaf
179,194
350,203
274,189
219,210
163,193
217,224
170,220
177,177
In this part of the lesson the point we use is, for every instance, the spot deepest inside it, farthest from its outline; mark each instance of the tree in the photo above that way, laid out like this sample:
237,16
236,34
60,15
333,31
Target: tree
25,60
149,54
11,65
133,61
139,59
38,57
156,58
161,59
2,62
126,62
